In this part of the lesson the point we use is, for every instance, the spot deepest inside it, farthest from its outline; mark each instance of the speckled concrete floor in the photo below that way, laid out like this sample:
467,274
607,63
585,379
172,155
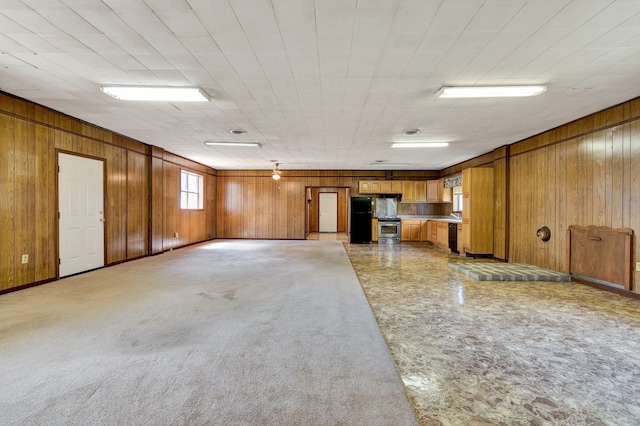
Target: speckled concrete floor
502,352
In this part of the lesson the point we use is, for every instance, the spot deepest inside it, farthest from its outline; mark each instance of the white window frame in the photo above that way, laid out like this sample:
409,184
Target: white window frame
191,198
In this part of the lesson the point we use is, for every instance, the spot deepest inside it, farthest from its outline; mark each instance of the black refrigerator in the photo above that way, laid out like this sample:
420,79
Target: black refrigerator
360,220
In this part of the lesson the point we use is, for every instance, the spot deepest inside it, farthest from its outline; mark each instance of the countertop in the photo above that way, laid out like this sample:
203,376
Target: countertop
448,219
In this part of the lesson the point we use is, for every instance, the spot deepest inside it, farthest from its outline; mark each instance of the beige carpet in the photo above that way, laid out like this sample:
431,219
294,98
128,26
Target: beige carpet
227,333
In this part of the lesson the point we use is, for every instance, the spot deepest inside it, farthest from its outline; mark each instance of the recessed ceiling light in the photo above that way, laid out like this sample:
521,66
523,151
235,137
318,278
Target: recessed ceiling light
221,143
489,91
148,93
419,144
411,132
238,131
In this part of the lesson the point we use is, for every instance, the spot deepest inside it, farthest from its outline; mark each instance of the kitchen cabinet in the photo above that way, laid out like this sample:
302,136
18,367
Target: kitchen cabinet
460,250
391,186
374,230
425,230
410,230
364,187
442,235
408,191
437,193
477,211
414,191
380,186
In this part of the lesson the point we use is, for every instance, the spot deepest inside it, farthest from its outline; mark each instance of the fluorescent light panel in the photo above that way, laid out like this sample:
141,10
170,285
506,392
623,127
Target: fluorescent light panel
419,144
250,144
147,93
490,91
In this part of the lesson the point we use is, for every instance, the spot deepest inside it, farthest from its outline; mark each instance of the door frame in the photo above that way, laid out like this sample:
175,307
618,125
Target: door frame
310,201
319,208
104,202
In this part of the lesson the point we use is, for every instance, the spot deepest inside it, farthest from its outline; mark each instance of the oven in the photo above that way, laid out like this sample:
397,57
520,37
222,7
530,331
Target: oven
389,230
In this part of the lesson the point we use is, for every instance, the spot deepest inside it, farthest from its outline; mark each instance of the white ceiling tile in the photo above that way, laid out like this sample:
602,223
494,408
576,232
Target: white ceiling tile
33,42
233,43
293,4
335,20
107,22
257,20
266,43
300,42
332,4
474,40
579,38
133,44
334,65
297,21
370,20
454,16
304,66
31,20
144,22
534,14
576,14
218,17
615,37
495,15
182,21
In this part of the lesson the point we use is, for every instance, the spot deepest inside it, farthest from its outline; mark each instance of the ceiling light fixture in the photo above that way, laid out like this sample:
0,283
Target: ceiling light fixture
222,143
148,93
489,91
411,132
276,174
381,163
419,144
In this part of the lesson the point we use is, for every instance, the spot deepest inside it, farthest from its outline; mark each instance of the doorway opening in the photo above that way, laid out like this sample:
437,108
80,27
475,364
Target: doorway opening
329,205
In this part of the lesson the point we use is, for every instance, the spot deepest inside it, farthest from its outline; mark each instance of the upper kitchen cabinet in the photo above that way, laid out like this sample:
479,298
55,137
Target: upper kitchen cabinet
364,187
477,211
391,186
380,187
414,191
437,193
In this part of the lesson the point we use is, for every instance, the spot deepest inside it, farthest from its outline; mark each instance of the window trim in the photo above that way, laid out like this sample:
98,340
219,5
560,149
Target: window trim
200,191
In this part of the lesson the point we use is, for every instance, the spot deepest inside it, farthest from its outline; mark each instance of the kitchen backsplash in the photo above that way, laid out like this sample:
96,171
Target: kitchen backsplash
425,209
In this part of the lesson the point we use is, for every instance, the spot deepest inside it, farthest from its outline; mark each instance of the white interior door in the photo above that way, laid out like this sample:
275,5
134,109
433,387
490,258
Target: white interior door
81,204
328,207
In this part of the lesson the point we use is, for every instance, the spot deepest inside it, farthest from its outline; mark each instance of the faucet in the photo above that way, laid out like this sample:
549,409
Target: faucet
456,216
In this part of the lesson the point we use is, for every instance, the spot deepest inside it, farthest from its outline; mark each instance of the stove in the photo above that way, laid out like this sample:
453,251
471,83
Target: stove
389,230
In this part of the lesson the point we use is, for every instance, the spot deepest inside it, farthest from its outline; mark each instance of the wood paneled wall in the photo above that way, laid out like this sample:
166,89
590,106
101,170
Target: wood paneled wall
190,225
252,205
586,172
30,138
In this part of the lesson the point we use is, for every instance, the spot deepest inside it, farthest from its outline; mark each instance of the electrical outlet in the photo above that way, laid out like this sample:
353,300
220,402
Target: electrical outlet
25,258
637,266
175,234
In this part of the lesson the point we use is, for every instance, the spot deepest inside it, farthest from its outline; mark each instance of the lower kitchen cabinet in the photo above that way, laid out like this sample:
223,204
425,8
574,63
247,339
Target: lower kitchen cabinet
374,230
442,235
410,230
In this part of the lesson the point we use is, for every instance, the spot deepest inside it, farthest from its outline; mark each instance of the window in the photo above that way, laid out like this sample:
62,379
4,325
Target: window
191,191
457,198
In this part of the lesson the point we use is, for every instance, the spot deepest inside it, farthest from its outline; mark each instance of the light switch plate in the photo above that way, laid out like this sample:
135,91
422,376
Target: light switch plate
25,258
637,266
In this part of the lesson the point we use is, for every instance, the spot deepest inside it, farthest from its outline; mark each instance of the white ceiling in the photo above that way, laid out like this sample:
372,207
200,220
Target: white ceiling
324,84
